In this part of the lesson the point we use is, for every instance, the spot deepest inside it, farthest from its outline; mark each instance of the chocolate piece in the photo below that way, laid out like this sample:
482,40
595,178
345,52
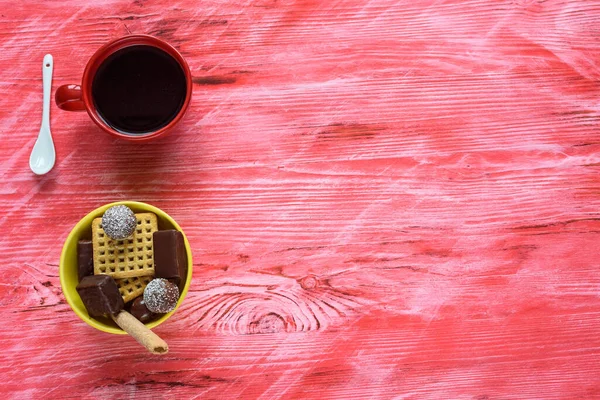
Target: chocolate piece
139,310
85,259
100,295
161,296
170,258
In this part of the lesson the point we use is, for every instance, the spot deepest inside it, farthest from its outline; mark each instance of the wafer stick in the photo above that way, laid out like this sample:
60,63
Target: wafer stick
139,332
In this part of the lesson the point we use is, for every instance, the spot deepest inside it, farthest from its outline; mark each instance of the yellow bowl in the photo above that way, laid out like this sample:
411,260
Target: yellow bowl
68,263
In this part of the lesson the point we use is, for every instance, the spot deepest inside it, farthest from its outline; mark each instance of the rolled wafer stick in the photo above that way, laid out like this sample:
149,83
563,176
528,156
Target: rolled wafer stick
139,332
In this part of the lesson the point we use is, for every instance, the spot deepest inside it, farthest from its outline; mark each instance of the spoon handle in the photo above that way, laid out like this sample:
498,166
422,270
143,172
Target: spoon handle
47,79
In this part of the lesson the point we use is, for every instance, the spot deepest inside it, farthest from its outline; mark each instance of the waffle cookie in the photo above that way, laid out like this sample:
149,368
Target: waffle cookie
130,288
126,258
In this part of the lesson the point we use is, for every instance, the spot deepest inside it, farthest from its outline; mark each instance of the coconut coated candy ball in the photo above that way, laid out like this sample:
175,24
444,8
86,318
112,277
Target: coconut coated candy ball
161,296
119,222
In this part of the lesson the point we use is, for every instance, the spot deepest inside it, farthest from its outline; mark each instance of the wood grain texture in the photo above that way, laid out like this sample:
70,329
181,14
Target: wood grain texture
385,199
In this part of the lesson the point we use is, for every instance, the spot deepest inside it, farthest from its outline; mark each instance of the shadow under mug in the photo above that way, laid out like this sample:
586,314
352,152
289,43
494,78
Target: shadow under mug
79,97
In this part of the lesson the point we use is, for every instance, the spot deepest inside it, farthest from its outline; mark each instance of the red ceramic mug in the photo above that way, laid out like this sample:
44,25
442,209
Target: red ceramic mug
125,84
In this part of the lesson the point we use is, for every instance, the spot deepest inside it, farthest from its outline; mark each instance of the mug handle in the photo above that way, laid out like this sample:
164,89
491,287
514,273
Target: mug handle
69,98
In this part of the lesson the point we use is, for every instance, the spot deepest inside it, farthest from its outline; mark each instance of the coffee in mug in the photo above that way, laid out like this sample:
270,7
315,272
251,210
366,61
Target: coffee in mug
136,87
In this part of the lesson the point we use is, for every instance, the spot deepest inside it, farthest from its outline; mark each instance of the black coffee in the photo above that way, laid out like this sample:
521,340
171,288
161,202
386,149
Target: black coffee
139,89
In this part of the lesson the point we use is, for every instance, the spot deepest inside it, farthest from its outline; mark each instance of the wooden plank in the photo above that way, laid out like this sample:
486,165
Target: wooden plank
385,199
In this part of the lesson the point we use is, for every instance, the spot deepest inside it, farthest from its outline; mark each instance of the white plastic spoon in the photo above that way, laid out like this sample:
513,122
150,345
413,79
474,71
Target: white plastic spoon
43,155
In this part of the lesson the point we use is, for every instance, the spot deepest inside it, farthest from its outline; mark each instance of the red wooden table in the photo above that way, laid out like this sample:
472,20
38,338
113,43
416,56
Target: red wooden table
385,199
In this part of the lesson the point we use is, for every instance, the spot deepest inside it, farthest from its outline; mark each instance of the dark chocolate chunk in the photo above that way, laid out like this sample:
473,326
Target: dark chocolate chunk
85,259
139,310
170,258
100,295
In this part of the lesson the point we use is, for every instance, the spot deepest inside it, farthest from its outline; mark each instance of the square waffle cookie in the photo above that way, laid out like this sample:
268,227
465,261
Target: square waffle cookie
130,288
126,258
